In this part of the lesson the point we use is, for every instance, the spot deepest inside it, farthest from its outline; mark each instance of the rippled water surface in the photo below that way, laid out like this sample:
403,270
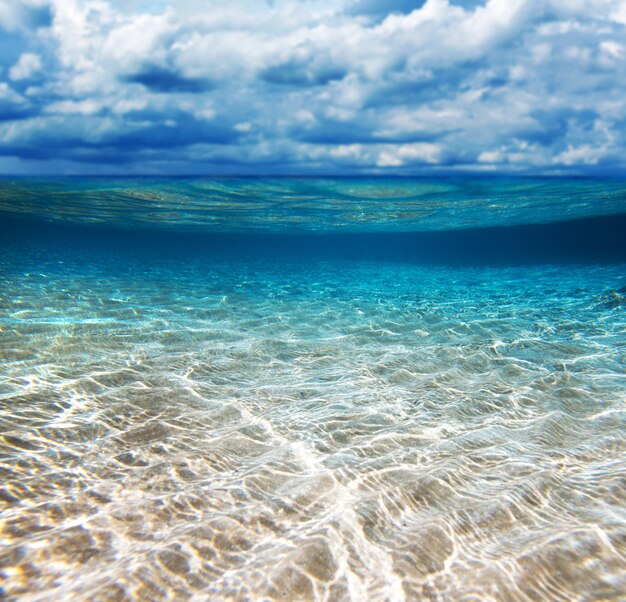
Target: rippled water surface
215,426
311,204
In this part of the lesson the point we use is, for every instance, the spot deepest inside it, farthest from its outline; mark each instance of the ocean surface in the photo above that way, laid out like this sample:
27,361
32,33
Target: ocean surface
313,389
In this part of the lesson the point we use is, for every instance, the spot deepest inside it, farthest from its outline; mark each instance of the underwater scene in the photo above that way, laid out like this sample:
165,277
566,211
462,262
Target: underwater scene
340,389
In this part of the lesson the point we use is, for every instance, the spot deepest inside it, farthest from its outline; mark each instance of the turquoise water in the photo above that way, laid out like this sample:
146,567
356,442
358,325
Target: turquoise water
303,205
301,389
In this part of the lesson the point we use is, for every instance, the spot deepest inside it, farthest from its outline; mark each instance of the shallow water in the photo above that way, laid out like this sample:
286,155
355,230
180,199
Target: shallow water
204,423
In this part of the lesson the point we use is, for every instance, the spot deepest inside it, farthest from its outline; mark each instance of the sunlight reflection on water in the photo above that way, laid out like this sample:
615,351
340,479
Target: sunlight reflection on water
335,430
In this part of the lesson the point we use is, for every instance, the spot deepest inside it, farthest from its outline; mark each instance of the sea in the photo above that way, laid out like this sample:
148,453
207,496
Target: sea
325,389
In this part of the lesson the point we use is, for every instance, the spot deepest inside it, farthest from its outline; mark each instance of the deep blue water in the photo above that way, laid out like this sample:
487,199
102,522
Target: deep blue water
302,389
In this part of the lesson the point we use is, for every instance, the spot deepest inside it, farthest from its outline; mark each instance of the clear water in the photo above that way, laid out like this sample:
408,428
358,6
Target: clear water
311,204
226,416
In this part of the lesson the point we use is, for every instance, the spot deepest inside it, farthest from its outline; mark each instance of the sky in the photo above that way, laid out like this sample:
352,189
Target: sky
406,87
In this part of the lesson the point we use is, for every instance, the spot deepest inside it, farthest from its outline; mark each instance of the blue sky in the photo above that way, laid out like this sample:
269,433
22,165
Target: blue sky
312,86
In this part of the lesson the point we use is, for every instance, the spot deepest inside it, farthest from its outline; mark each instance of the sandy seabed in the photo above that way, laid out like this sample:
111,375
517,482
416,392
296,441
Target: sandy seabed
337,430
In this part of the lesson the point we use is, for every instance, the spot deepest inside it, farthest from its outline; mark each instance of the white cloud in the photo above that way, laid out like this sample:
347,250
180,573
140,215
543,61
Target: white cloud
581,155
72,107
494,156
9,15
27,66
348,151
526,83
612,49
619,13
403,154
7,94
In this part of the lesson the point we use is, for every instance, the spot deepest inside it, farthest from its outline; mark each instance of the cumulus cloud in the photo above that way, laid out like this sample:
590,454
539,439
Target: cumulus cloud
27,66
394,86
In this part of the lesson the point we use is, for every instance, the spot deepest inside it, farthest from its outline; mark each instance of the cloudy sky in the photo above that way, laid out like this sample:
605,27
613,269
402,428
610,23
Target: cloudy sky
312,86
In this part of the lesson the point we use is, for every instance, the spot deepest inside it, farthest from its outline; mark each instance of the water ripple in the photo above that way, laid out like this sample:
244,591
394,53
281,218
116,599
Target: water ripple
234,432
310,204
